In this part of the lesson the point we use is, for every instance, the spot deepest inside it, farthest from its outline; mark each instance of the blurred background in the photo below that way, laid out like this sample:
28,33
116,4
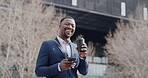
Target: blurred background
25,24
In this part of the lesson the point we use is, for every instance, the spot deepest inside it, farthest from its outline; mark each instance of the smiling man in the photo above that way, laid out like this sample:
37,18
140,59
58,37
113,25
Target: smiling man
59,58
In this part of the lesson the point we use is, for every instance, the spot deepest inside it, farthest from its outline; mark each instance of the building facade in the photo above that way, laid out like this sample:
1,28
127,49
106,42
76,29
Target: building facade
95,18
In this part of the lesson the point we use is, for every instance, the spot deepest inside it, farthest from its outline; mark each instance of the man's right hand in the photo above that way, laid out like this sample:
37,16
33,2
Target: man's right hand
65,64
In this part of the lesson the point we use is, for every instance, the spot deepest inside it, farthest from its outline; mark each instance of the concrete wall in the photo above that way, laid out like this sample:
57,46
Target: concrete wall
112,7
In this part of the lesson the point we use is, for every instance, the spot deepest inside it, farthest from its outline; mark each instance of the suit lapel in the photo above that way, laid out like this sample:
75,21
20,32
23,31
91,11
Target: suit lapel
72,50
73,54
59,47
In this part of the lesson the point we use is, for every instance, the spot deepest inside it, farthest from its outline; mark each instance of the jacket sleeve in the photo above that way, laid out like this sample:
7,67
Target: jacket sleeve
43,68
83,66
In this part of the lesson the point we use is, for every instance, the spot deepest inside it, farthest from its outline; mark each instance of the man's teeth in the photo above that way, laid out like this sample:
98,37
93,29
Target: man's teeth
68,30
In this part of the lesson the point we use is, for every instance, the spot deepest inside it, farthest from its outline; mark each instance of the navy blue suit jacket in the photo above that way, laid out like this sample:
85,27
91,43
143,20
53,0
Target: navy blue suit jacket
50,55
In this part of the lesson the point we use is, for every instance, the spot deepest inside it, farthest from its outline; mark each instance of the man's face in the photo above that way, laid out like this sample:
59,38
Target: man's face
67,28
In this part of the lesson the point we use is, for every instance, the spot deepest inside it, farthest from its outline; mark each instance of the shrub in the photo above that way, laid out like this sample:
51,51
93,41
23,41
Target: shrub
24,24
127,49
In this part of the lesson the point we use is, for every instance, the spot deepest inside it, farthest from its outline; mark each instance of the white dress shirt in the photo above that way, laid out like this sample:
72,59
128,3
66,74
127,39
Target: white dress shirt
66,48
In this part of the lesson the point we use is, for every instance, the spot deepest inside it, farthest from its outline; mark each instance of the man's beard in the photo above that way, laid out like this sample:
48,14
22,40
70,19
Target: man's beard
67,36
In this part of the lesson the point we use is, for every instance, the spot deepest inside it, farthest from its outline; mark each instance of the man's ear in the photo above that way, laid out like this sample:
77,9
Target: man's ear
60,25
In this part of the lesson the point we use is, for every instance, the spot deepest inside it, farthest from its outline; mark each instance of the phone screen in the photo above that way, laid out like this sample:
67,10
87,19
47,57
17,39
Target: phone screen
71,59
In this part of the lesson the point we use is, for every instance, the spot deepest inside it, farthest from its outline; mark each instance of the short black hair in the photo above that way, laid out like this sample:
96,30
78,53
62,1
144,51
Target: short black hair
65,18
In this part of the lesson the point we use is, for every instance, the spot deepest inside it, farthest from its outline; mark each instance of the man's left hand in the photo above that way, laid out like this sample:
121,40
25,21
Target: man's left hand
83,51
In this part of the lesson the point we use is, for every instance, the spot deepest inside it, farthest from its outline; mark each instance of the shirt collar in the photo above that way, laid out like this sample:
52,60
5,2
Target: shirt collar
62,41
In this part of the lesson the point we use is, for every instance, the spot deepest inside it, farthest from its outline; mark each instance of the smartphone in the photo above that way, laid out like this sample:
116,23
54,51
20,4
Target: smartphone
71,59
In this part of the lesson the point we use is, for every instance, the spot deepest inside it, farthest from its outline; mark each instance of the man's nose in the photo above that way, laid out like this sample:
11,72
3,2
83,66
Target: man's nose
70,26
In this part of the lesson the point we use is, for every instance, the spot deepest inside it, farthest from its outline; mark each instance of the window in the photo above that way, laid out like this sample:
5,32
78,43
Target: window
74,2
145,16
123,9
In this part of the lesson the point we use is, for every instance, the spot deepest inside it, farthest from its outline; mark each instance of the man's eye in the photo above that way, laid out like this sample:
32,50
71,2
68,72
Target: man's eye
66,24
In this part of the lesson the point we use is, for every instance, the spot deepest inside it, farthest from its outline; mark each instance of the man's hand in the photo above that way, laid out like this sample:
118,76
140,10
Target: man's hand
65,64
83,50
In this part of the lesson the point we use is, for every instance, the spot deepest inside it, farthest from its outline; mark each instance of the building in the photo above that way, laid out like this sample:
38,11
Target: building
95,18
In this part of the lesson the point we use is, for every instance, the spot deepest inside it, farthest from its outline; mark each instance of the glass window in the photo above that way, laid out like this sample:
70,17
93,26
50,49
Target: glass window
145,13
74,2
123,9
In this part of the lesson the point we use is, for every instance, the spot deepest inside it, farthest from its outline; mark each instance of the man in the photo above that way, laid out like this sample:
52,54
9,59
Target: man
52,61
